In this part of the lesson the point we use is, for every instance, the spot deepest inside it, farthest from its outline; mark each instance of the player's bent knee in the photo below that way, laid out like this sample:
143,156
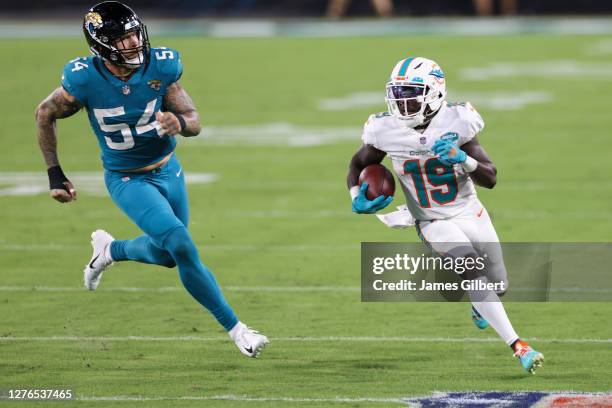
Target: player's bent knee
472,274
504,285
179,244
471,269
461,251
466,261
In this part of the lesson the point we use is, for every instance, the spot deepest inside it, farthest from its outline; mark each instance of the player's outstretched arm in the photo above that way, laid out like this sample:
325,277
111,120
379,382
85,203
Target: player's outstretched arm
485,174
181,116
58,105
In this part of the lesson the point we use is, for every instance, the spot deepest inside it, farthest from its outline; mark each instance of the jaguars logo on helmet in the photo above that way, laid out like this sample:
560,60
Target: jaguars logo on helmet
94,19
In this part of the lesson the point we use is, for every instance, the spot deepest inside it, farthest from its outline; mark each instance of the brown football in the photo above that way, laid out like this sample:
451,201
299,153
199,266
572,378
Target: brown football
380,181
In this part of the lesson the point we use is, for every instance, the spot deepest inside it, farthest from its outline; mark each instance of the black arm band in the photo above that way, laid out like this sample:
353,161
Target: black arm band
181,120
56,178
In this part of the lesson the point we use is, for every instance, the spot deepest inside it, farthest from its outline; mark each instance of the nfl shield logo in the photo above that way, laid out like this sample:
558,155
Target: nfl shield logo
126,90
423,140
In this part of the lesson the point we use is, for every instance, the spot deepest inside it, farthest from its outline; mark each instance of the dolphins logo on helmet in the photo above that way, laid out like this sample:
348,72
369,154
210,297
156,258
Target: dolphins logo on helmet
415,91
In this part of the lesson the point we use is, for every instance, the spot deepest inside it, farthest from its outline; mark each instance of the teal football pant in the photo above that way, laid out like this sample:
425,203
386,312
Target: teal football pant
156,201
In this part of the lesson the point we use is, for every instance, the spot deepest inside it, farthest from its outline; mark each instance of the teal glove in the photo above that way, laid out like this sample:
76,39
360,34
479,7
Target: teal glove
361,204
448,152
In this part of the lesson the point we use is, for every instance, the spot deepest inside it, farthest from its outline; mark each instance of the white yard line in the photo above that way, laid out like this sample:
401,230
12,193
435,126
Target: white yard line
549,69
91,182
492,100
599,48
311,339
410,401
246,398
203,247
277,134
267,289
180,289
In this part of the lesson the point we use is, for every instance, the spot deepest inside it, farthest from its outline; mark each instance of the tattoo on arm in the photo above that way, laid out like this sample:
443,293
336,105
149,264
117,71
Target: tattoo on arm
365,156
58,105
178,101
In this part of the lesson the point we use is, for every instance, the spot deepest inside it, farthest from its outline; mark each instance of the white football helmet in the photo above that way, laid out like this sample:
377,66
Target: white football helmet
415,91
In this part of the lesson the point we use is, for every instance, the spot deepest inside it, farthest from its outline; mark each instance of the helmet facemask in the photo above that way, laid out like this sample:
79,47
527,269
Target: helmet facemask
131,56
412,103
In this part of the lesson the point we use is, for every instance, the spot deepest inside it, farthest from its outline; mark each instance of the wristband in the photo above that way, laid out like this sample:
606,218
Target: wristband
470,164
354,192
57,178
181,120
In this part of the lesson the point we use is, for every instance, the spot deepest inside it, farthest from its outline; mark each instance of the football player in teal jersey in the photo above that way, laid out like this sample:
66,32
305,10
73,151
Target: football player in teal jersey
136,106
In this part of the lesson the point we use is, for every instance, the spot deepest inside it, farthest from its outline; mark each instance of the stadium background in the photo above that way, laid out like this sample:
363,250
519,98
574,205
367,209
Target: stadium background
282,103
301,8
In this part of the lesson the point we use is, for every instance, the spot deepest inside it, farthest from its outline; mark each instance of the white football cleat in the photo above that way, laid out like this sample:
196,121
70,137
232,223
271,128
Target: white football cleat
249,341
92,274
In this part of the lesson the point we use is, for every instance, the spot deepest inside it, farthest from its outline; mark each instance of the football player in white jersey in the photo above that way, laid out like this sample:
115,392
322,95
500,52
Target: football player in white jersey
437,158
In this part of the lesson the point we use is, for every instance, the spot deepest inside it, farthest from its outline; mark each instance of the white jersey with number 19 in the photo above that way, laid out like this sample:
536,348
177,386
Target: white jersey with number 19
433,190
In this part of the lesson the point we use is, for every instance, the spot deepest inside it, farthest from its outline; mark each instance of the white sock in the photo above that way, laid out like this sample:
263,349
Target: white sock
107,252
236,329
487,303
495,314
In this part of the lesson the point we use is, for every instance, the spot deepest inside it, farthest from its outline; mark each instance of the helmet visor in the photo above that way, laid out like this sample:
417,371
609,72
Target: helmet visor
408,98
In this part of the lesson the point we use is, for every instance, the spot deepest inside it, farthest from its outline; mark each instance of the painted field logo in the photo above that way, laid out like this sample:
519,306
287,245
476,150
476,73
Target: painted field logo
495,399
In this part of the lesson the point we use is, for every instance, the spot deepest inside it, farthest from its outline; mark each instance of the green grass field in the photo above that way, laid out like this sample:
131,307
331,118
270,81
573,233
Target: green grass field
277,224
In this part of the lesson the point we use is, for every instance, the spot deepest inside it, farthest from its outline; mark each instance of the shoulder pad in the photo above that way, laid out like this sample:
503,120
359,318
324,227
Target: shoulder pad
377,120
381,115
168,63
75,77
374,125
468,120
77,70
470,117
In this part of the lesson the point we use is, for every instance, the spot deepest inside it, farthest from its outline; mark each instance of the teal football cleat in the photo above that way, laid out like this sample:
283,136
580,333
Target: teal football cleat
530,359
479,321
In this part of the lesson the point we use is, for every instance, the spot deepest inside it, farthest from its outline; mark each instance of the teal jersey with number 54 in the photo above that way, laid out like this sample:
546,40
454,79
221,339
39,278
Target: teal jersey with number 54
122,113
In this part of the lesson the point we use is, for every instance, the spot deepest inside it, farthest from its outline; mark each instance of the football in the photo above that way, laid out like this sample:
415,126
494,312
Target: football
380,181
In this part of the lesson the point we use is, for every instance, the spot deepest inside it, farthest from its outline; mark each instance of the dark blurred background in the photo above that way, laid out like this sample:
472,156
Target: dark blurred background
314,8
